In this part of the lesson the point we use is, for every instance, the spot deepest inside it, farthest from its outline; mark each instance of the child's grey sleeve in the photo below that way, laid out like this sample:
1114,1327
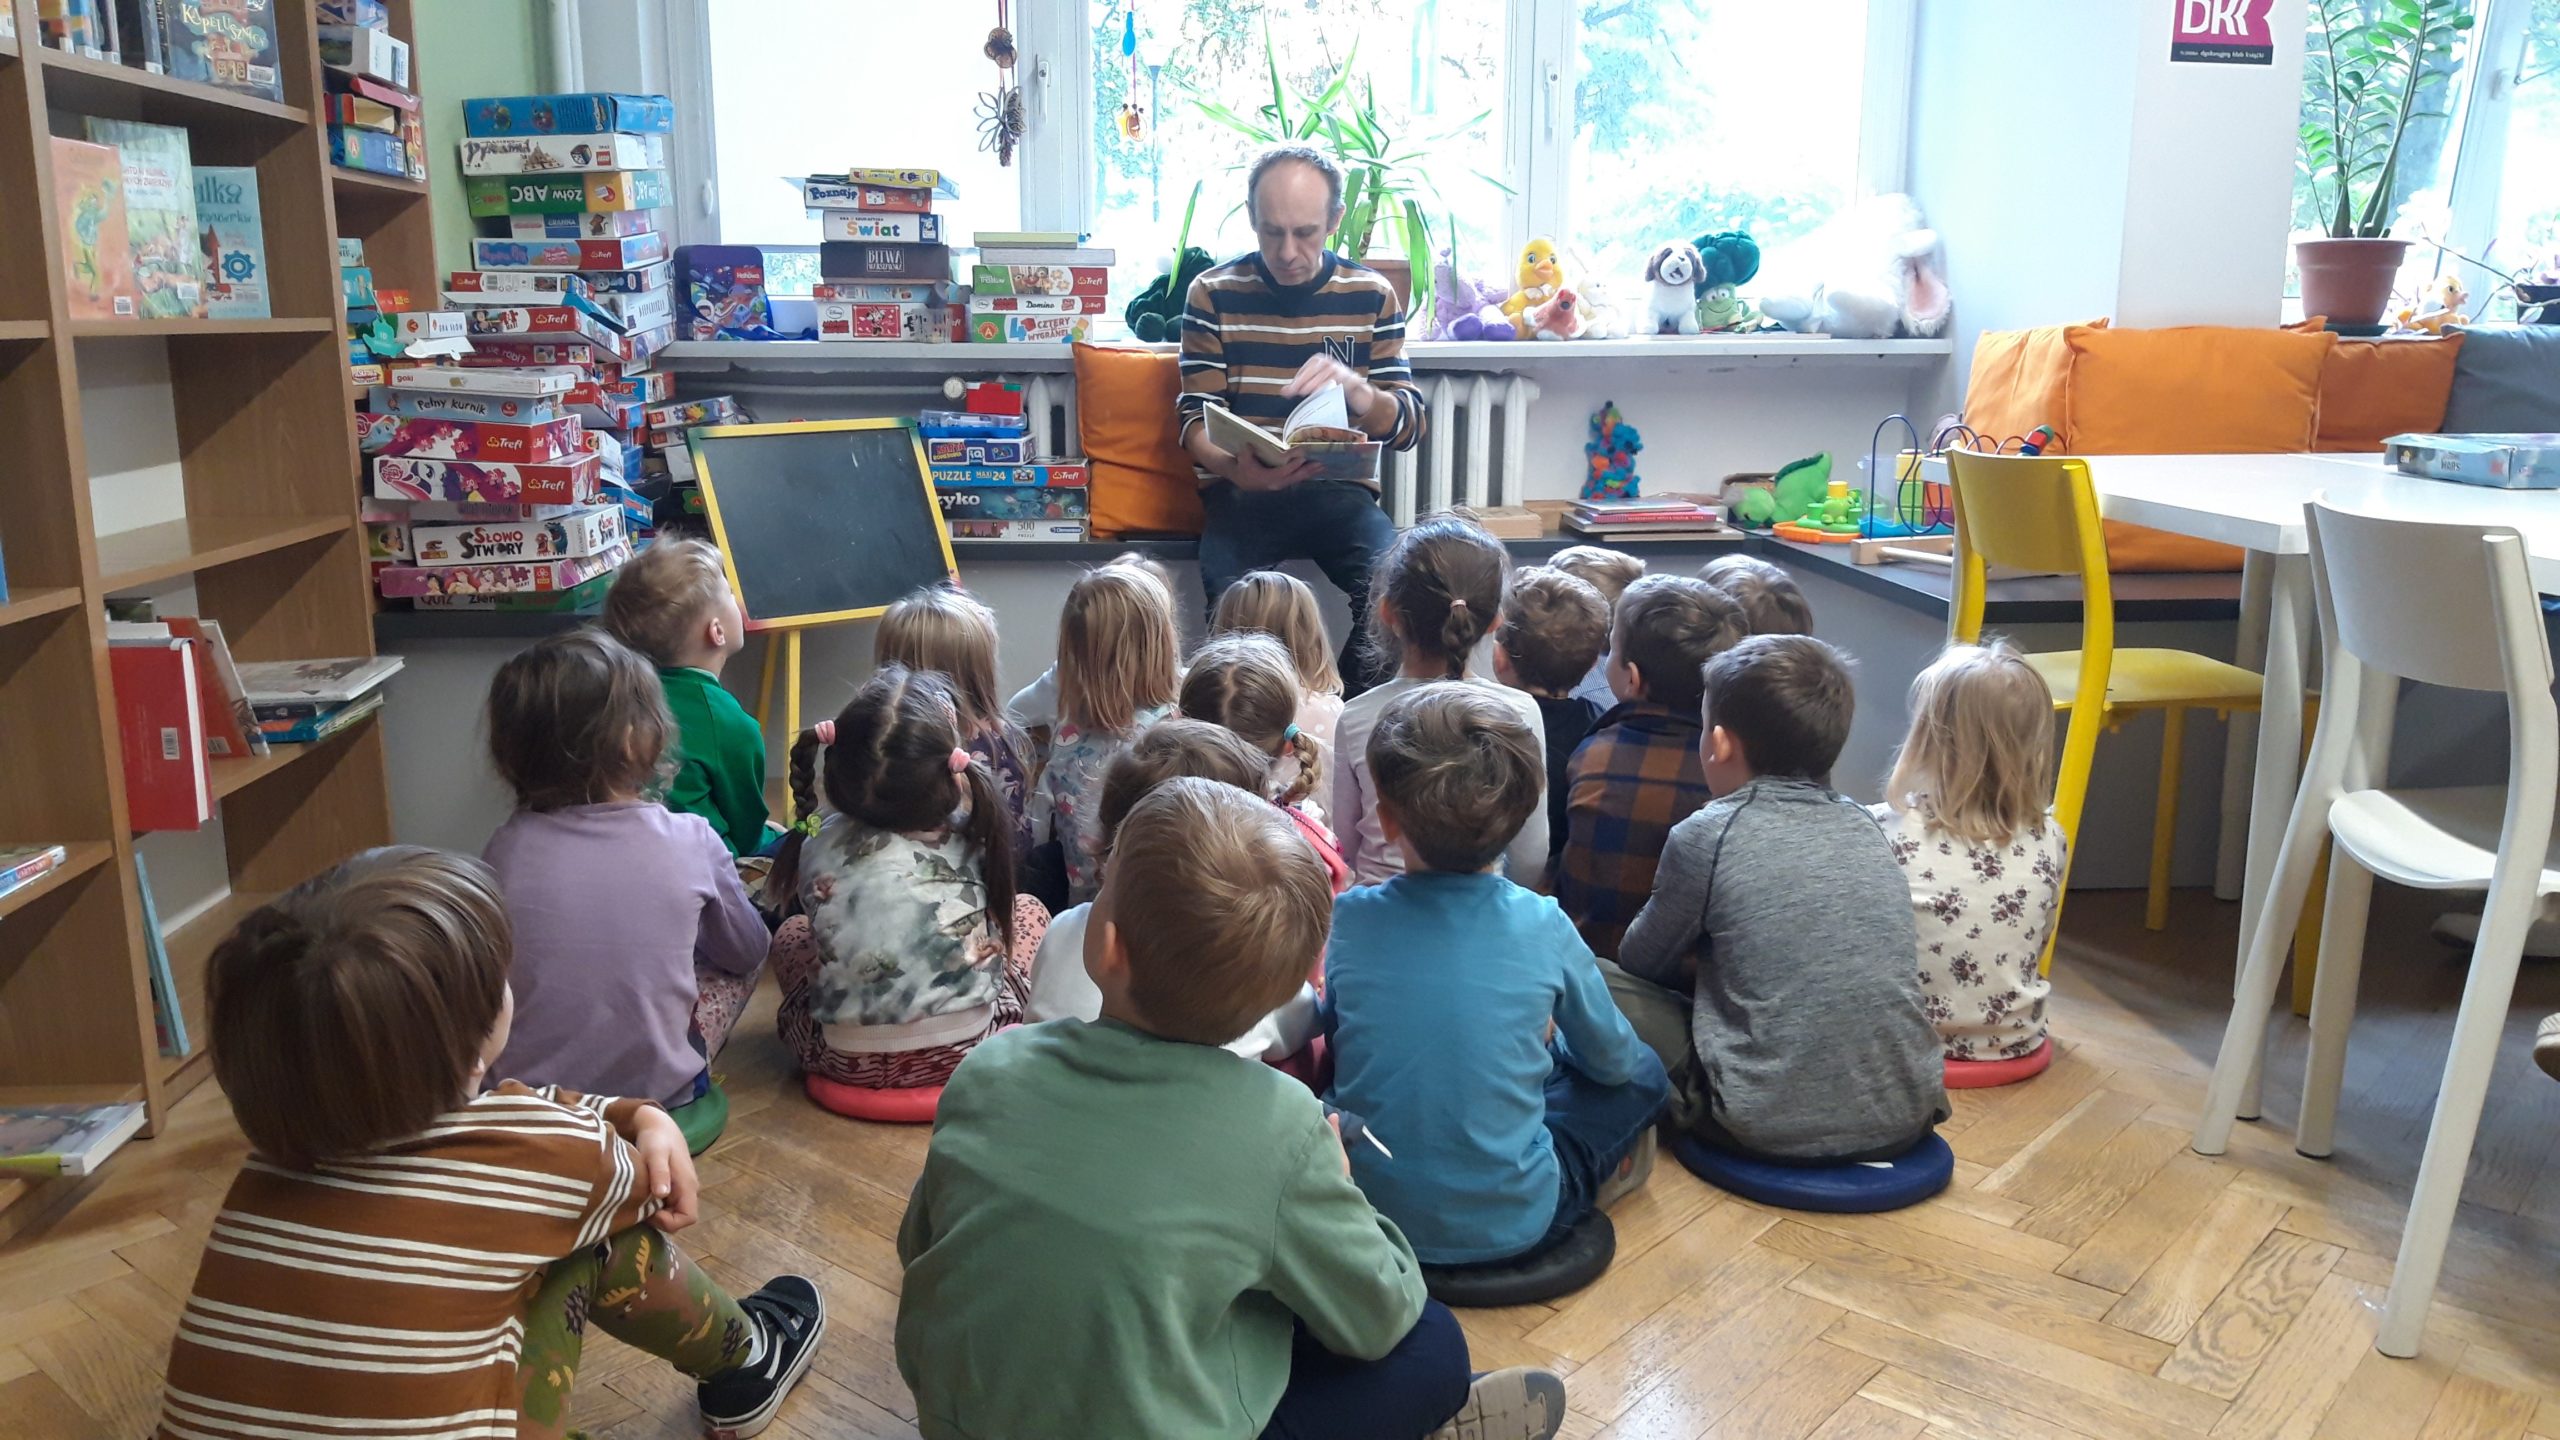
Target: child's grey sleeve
1664,936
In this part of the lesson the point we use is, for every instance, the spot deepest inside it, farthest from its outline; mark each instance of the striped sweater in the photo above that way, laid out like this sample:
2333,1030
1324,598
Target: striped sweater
385,1295
1244,339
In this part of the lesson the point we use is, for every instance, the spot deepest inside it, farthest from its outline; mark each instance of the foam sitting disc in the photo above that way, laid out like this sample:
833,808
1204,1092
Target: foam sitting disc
701,1119
1560,1269
1846,1188
913,1106
1983,1074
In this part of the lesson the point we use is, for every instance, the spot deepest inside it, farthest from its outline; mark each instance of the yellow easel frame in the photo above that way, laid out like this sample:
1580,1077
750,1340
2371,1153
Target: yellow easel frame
790,627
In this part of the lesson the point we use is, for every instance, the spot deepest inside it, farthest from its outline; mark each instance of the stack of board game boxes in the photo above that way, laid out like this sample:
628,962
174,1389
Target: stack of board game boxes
1033,285
147,234
372,105
988,477
884,269
228,43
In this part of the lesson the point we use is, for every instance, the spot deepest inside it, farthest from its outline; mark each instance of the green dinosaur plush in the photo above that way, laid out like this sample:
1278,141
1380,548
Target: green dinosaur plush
1157,312
1800,485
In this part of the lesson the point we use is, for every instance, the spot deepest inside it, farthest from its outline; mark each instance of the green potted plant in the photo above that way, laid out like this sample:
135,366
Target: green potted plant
2376,68
1386,223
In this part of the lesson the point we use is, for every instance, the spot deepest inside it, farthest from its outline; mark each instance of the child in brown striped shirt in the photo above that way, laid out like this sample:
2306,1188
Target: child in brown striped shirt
404,1255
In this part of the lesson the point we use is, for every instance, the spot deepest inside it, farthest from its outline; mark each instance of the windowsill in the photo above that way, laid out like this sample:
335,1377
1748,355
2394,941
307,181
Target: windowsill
698,356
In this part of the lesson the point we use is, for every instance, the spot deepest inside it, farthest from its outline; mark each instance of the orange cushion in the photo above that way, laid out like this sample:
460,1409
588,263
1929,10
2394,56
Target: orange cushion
1142,480
2371,390
2018,380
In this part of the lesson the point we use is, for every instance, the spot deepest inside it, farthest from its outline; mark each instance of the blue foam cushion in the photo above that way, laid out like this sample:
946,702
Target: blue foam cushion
1560,1269
1848,1188
2505,381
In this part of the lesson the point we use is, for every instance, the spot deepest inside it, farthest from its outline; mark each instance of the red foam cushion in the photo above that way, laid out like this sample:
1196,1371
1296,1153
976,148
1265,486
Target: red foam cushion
914,1106
1983,1074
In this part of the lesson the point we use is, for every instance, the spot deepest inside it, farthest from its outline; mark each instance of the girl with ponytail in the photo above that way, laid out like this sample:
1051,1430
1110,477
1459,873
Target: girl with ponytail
913,945
1246,683
1439,590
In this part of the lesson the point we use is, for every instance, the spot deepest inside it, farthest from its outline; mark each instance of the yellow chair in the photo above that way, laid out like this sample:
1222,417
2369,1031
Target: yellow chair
2040,513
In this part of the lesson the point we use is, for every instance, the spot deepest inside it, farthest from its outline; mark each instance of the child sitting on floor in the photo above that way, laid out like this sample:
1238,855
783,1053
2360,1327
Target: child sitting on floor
354,1021
1969,815
1244,682
909,950
635,945
1171,750
945,629
1121,1231
1610,572
1554,627
1771,602
1772,968
1444,985
1034,707
1638,774
1117,673
1439,592
673,603
1281,605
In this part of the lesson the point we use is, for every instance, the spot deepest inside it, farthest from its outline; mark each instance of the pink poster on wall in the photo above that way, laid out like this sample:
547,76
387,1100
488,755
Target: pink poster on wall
2222,32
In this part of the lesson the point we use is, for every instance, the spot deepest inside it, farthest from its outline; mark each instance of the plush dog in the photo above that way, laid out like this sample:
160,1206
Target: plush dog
1673,272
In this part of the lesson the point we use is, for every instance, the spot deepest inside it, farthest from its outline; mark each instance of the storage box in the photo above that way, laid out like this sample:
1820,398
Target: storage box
584,114
363,50
567,194
977,450
1011,502
554,154
1017,531
1038,304
403,582
989,280
987,328
458,405
2505,462
1070,474
624,253
820,193
887,227
602,225
582,533
402,477
843,320
477,440
428,324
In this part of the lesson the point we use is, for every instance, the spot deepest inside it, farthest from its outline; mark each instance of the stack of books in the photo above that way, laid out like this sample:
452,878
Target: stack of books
181,704
300,702
988,477
1659,517
24,865
884,267
374,122
149,234
229,43
1036,285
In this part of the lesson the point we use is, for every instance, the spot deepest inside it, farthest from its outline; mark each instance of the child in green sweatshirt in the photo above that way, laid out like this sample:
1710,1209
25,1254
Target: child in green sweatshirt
1123,1229
673,603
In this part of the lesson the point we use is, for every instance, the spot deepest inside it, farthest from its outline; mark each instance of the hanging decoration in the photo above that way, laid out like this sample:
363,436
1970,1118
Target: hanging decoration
1000,110
1133,116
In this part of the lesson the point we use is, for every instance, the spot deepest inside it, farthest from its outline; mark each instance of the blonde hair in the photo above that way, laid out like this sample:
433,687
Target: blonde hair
945,629
1220,902
658,602
1608,571
1245,683
1281,606
1979,758
1116,649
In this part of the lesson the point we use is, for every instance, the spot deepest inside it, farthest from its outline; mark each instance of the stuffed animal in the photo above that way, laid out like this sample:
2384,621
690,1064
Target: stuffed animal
1560,318
1157,312
1602,317
1673,307
1872,272
2442,307
1727,261
1541,275
1610,454
1466,309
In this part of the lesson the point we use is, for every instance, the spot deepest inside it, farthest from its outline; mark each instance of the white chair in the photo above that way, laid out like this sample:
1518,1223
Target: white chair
2449,605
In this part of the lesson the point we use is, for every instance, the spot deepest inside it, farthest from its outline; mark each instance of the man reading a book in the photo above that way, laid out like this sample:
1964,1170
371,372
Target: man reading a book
1261,333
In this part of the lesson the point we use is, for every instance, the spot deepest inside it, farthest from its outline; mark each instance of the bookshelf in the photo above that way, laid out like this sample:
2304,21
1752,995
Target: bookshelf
269,540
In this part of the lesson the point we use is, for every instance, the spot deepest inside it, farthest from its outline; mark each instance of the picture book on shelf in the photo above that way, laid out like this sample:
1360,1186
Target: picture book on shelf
1319,429
167,1018
274,683
22,865
97,252
159,215
230,43
72,1140
235,247
312,729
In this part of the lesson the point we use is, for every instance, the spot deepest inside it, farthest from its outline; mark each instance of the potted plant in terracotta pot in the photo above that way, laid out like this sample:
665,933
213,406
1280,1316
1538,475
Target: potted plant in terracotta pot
2376,70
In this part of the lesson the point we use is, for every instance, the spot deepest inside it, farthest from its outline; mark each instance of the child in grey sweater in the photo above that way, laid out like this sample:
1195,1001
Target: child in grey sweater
1780,908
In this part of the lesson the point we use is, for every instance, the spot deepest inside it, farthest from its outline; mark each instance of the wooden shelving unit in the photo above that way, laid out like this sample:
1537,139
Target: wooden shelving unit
270,540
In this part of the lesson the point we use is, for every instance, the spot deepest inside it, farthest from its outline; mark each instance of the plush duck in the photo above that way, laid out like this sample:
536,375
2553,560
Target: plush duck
1541,276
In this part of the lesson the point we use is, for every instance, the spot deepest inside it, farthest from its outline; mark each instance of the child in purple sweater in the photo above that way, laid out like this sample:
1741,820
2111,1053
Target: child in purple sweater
636,947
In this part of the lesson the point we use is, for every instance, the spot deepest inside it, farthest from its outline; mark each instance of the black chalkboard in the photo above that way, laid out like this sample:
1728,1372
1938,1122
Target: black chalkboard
821,520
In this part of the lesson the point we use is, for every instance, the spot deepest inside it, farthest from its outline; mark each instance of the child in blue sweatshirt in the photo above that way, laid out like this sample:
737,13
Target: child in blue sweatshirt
1471,1026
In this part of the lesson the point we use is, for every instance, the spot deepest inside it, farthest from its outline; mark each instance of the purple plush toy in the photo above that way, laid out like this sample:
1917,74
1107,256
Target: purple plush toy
1466,310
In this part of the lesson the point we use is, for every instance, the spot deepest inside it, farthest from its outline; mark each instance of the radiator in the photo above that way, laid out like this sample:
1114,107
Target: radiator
1475,452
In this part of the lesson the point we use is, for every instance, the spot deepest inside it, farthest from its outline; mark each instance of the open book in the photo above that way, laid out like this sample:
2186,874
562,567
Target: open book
1319,429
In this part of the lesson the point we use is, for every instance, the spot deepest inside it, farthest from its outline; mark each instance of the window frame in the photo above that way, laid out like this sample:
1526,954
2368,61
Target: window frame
1055,71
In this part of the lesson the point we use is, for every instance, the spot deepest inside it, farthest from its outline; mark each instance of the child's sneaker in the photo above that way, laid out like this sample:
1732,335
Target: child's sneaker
2546,1046
790,1317
1632,1173
1514,1404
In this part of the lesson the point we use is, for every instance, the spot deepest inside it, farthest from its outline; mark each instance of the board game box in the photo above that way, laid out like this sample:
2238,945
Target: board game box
845,320
1038,304
512,287
2505,462
487,195
365,50
368,150
403,582
403,477
1019,531
553,381
458,405
234,242
628,252
583,114
159,216
818,192
1011,502
554,154
714,410
230,43
865,260
582,533
887,227
885,292
643,311
1067,473
546,322
988,328
991,280
977,450
550,441
600,225
724,290
919,178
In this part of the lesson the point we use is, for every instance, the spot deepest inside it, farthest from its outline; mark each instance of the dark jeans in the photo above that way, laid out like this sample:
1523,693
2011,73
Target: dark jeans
1335,523
1403,1395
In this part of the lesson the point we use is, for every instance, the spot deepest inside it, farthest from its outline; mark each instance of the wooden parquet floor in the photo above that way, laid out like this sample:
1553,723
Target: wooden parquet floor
2087,1275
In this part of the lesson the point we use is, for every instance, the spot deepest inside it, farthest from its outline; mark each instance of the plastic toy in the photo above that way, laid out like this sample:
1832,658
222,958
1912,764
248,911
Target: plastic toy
1611,452
1837,518
1674,306
1541,276
2039,440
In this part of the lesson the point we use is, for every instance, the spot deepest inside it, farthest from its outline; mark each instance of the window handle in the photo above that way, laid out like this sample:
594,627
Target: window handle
1040,88
1554,82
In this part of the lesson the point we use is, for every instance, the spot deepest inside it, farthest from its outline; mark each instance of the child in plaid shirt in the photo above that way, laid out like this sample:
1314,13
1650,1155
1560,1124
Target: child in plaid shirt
1639,773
